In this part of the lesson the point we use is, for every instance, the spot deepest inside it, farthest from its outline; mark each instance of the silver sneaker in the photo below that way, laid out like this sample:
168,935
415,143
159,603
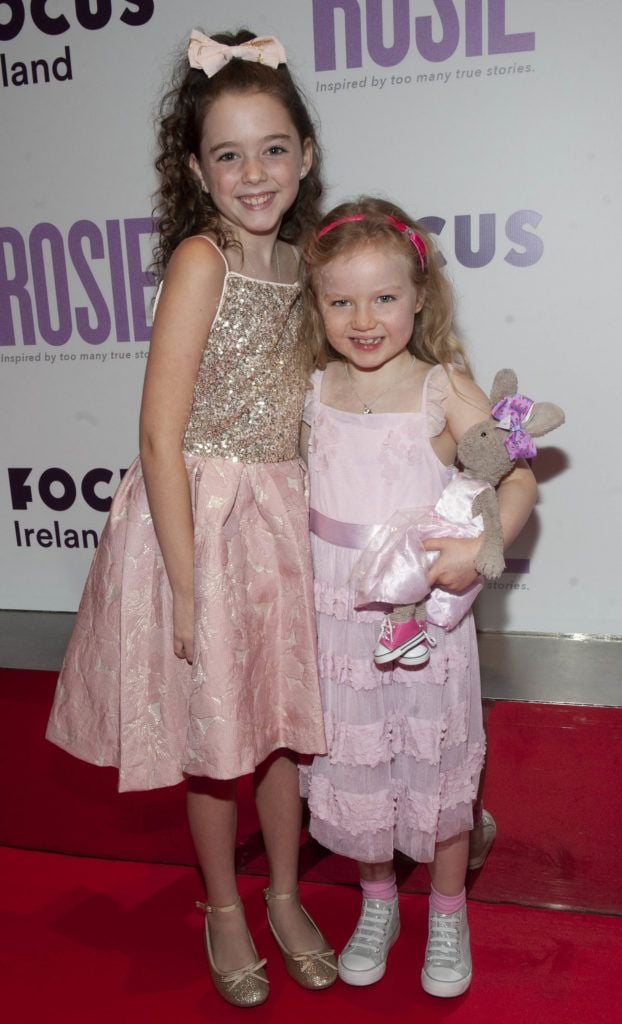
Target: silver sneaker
481,839
364,959
447,968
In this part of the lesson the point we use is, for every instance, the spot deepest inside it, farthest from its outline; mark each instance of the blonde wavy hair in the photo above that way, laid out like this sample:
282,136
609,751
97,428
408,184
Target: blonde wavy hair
433,339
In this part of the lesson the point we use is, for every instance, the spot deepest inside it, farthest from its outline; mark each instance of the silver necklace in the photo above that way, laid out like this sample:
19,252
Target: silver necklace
253,273
367,408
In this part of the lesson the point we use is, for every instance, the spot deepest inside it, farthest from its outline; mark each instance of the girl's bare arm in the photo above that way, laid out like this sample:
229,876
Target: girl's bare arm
188,303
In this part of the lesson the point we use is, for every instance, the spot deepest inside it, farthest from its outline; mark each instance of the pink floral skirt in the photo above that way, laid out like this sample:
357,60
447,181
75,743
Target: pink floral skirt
124,699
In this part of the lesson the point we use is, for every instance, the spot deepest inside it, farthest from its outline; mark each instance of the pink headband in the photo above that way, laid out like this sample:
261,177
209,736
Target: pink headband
209,56
399,225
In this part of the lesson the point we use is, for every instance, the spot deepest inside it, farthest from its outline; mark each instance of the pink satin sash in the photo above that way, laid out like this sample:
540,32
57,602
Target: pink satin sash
345,535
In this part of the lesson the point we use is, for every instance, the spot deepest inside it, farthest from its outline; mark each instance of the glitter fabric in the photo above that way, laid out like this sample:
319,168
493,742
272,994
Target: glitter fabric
250,389
123,698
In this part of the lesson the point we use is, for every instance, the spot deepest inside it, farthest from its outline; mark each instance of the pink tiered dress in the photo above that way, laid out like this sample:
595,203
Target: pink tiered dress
123,698
405,745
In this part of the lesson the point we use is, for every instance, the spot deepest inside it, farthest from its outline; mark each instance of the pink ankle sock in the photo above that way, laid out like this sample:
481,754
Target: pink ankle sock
447,904
386,889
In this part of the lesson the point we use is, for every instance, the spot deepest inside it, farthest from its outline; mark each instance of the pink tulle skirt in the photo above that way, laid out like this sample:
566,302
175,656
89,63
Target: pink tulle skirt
406,745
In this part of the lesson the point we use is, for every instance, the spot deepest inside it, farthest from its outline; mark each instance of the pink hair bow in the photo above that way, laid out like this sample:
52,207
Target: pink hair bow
209,56
512,412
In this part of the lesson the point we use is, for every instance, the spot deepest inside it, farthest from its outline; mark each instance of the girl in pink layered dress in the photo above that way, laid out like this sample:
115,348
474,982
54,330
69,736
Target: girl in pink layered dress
194,651
405,738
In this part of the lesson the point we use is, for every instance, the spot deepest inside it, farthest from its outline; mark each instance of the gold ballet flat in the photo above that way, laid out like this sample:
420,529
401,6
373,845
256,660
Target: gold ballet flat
247,986
313,969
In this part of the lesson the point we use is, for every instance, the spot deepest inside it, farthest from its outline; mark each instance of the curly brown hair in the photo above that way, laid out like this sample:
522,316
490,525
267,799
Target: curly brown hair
433,339
182,208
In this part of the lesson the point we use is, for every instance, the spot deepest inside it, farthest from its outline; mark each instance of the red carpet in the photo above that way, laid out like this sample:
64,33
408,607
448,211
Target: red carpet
100,942
95,941
552,786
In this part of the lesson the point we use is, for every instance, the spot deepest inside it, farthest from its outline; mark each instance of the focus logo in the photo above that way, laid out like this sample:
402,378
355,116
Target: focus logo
475,240
476,27
90,14
58,491
44,15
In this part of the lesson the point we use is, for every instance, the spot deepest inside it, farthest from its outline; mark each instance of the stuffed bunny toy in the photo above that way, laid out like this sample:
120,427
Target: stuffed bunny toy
489,450
393,568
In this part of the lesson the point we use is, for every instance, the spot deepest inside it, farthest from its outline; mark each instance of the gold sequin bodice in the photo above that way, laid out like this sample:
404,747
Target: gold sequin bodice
250,388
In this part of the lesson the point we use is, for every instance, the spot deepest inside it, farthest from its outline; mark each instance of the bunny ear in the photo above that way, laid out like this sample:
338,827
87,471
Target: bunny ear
543,418
504,384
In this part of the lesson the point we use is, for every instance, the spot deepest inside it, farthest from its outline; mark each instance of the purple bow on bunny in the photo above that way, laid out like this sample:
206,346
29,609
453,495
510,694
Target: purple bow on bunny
512,412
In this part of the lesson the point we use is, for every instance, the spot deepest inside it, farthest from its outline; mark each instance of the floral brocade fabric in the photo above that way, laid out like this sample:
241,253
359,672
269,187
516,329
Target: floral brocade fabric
405,745
123,698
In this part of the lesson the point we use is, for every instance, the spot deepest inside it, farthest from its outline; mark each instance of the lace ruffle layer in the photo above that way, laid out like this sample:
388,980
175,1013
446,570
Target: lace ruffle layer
379,742
398,805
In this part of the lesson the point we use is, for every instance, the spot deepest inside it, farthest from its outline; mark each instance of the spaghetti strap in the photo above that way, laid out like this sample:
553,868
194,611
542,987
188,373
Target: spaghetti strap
435,390
312,397
156,299
213,243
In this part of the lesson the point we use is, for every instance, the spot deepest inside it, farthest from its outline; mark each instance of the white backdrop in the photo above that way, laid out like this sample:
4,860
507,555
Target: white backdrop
496,118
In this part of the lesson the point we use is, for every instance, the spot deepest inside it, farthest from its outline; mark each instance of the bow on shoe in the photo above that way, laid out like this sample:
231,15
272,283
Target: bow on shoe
325,957
207,55
512,412
235,978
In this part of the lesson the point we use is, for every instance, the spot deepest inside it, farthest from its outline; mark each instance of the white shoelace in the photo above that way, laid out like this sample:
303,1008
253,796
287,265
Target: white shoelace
386,633
430,639
372,927
444,945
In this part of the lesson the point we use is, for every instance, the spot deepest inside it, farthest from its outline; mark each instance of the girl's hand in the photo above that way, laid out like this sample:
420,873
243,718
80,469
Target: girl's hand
183,628
454,568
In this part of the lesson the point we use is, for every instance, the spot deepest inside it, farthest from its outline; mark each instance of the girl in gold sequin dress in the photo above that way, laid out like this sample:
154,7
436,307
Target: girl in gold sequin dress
193,654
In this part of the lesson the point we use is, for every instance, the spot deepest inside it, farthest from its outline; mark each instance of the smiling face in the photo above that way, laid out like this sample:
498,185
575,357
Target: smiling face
251,161
368,302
